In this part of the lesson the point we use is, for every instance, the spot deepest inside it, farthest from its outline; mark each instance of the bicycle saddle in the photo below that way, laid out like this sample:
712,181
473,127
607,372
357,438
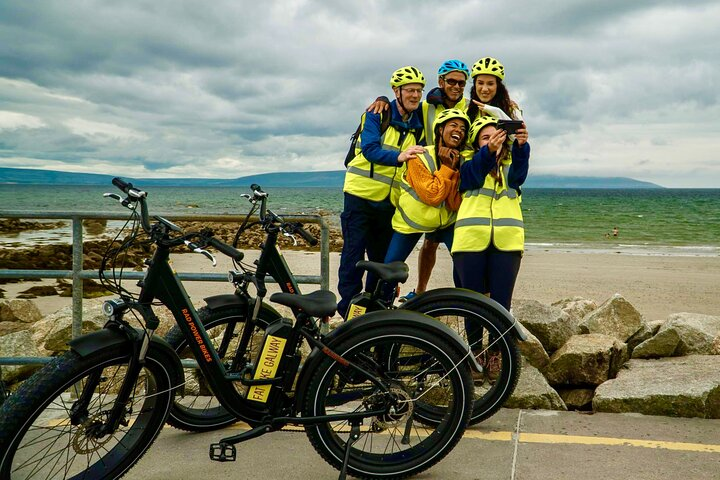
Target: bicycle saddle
393,272
321,303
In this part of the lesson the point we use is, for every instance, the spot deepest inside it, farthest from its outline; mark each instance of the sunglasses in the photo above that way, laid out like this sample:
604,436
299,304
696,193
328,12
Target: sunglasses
452,82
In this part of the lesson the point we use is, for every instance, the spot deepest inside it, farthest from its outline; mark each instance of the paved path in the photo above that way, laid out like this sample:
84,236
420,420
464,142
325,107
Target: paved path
512,445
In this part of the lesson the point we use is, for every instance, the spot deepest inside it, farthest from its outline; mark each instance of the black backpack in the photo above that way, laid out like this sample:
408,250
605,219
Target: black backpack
384,124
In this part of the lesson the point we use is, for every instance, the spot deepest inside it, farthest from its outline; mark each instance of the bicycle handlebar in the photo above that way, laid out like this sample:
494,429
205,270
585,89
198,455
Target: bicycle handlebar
307,236
267,216
226,249
139,196
134,195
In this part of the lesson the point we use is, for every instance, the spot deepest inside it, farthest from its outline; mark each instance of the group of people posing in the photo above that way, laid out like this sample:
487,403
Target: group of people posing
444,167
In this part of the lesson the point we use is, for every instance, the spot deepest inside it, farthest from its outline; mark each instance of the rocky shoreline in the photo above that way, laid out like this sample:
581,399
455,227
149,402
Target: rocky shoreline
59,256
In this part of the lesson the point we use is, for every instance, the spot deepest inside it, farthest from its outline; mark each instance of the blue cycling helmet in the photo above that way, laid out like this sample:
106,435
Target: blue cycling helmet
453,66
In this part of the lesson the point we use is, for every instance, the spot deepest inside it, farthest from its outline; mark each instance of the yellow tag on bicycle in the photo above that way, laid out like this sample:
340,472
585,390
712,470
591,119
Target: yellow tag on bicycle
355,311
267,367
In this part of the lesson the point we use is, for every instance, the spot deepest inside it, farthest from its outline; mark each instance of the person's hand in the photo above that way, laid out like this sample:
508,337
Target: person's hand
449,157
481,106
521,135
496,140
378,106
410,153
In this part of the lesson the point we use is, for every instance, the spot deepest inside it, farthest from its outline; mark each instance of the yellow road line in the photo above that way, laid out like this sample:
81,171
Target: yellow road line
584,440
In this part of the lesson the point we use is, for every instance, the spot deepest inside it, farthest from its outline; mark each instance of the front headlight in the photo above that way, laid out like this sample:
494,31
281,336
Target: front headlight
111,307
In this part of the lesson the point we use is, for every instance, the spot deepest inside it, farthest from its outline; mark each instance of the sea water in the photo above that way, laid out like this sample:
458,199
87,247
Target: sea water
652,221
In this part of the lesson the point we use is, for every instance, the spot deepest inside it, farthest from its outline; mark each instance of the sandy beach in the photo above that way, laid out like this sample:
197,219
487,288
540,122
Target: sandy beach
656,285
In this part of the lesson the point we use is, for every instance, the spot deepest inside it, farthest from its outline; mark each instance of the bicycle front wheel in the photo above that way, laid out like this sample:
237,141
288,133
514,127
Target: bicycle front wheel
393,444
493,344
42,436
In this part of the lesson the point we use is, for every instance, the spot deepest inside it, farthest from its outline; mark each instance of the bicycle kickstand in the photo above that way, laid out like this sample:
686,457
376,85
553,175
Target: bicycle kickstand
354,435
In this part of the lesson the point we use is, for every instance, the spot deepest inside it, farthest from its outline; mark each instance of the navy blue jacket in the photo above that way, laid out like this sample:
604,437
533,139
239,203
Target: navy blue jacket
372,148
473,173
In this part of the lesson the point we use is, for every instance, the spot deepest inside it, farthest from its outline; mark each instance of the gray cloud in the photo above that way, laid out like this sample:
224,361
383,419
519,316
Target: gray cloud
232,88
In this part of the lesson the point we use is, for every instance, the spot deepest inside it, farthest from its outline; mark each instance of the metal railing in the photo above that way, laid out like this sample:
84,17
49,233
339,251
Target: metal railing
77,273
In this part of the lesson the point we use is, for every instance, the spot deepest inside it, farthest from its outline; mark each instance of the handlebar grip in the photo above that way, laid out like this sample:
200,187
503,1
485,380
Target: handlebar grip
121,184
312,241
226,249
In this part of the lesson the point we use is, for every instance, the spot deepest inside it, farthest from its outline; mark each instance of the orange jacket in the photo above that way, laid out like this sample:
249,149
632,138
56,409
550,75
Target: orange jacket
434,188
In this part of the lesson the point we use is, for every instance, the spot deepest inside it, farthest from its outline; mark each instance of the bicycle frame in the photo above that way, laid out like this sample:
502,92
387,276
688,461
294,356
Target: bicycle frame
162,283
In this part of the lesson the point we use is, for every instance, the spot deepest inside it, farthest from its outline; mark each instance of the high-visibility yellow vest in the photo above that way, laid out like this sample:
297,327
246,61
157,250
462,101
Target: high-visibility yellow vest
372,181
490,214
429,113
411,214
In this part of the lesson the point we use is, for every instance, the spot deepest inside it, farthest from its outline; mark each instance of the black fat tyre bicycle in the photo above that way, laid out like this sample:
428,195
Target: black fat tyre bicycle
93,412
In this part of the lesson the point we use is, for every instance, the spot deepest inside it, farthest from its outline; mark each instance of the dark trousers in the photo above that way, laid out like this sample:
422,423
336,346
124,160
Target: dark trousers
402,245
490,272
367,229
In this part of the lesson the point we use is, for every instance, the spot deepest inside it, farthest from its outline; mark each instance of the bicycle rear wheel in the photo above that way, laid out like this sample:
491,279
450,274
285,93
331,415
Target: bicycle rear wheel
40,438
394,444
494,346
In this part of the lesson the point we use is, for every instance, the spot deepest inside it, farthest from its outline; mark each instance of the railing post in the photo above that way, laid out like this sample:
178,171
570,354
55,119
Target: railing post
324,255
77,281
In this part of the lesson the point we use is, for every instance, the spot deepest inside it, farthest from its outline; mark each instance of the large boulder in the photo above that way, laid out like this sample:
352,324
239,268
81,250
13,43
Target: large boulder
683,334
550,325
52,333
575,307
676,387
616,317
19,310
533,391
533,350
586,360
18,344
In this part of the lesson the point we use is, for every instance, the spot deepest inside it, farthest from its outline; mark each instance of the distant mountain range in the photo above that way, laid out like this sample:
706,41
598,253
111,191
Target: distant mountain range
333,179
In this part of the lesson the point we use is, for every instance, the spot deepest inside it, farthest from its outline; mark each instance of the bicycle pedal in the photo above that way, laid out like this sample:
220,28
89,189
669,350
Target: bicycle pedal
222,452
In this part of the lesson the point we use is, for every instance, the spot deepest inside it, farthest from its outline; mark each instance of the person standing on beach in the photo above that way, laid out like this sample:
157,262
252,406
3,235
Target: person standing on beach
452,78
488,93
372,178
430,198
489,230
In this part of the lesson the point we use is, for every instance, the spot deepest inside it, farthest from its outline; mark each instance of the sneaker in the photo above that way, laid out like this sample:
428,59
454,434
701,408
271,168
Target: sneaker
407,297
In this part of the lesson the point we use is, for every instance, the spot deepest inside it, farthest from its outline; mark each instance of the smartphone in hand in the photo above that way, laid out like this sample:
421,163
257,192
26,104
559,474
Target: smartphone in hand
510,126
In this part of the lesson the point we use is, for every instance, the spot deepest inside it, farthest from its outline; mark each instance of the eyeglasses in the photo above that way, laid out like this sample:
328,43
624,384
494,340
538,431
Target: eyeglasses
413,91
452,82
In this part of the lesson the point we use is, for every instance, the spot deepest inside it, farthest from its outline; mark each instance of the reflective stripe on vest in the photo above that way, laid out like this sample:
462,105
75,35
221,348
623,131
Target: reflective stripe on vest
412,215
429,116
374,181
490,214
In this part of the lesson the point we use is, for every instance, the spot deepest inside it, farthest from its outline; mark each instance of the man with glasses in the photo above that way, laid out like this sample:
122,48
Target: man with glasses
373,177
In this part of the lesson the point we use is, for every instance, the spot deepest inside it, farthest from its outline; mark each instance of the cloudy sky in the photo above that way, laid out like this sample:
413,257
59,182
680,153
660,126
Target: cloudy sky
228,88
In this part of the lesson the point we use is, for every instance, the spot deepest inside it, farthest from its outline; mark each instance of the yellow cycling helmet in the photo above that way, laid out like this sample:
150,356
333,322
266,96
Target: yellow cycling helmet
479,124
489,66
405,75
449,113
